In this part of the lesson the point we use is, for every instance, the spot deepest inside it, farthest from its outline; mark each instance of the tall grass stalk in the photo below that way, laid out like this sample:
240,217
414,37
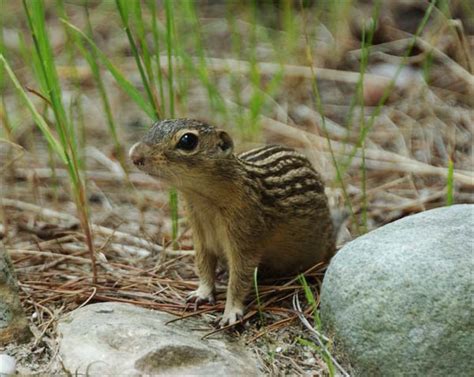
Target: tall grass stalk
3,106
169,51
358,100
173,194
200,69
317,324
366,43
319,108
237,47
148,105
33,62
388,90
290,38
41,123
311,301
157,52
327,359
67,148
75,106
145,52
256,100
367,39
91,58
262,90
124,11
143,62
119,77
450,183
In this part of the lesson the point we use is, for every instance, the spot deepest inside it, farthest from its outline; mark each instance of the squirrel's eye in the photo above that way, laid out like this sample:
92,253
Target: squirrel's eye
187,142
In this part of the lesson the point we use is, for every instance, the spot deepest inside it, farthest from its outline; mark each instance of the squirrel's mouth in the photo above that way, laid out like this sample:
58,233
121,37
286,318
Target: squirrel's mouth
139,162
136,155
145,160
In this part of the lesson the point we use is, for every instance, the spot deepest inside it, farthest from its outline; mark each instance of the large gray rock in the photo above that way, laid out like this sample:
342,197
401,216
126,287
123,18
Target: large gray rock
399,300
119,339
13,323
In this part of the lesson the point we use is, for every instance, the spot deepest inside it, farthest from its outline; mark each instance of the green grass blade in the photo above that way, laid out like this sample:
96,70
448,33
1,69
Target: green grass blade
367,39
323,351
320,109
5,119
324,354
169,40
134,94
2,52
156,41
201,69
169,51
48,134
122,7
147,62
173,201
91,58
311,300
450,183
31,59
36,20
388,90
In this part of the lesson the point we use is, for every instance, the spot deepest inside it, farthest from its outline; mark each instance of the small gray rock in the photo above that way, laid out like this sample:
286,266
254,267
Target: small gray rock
13,323
7,365
399,300
122,339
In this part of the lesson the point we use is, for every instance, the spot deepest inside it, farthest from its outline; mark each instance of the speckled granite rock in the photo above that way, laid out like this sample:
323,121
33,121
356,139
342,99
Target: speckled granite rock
121,339
13,323
399,300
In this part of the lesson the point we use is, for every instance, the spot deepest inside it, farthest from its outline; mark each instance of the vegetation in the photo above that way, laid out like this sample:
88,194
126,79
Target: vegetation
383,109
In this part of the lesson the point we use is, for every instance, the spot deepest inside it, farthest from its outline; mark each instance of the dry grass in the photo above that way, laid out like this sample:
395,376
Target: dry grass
51,262
403,169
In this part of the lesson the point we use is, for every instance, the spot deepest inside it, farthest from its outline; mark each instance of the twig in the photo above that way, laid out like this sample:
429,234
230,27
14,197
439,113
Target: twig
94,291
48,254
244,67
117,235
15,158
454,67
139,179
273,326
100,157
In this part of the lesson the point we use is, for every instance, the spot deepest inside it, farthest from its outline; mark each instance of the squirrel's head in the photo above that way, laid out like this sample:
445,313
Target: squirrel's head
183,151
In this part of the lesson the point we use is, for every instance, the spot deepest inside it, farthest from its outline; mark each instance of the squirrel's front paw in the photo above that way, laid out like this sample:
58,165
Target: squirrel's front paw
201,296
231,316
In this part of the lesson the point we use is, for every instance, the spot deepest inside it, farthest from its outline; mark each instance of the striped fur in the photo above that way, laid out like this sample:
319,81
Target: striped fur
264,208
284,176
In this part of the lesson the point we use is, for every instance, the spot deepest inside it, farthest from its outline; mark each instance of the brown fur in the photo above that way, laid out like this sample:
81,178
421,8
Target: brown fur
249,212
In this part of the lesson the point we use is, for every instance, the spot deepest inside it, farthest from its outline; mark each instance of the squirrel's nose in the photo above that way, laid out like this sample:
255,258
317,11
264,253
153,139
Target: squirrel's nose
136,154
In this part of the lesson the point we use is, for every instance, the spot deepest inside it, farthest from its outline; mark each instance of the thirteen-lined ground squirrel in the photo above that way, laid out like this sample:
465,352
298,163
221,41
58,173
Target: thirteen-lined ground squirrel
264,208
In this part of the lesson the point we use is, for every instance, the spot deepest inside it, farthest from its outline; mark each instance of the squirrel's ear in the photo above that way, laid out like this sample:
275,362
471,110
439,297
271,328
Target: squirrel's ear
225,143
